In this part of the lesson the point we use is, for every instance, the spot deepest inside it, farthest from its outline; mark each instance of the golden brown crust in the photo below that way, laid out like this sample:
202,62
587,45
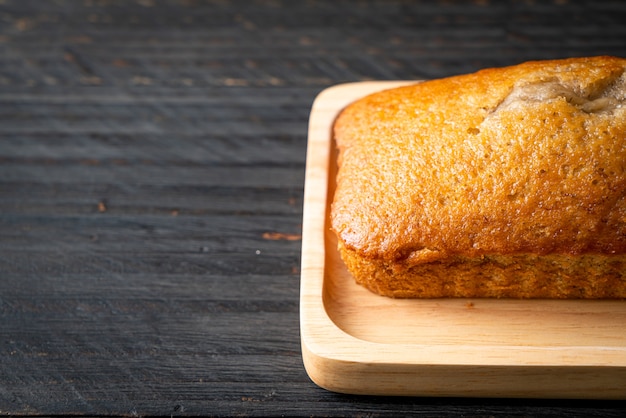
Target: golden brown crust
520,276
529,159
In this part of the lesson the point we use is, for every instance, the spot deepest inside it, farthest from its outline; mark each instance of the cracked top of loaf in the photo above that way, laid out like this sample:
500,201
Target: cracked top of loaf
523,159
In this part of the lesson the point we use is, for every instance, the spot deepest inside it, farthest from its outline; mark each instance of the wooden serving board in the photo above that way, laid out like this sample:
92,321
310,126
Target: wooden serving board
354,341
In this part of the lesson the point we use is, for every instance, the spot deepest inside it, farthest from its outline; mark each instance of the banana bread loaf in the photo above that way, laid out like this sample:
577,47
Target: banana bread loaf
508,183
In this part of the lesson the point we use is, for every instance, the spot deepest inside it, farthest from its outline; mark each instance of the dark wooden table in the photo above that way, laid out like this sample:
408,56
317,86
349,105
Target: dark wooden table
151,180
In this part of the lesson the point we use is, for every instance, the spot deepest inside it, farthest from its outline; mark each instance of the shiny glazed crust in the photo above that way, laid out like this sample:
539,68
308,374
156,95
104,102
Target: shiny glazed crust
525,162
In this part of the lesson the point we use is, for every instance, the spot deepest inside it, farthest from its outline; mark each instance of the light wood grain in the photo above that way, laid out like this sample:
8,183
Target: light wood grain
354,341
